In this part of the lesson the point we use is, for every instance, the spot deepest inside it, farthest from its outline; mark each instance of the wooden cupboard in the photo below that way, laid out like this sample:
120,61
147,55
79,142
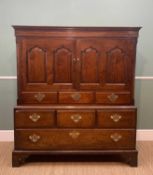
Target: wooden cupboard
75,92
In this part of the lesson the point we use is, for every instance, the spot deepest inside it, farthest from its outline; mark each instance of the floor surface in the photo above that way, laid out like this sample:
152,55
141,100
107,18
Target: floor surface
145,166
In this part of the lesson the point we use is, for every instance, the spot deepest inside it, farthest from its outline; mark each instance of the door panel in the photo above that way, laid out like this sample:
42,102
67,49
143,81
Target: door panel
36,64
89,74
116,69
62,65
89,64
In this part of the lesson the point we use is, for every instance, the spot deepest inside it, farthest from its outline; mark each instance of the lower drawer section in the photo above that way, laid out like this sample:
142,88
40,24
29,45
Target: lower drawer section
70,139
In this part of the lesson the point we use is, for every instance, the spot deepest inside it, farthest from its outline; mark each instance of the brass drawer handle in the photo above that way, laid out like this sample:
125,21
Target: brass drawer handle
113,97
76,118
34,138
74,134
116,117
116,137
39,97
76,96
34,117
78,59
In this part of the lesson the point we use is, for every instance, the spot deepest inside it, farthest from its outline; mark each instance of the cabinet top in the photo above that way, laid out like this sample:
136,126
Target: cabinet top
76,31
86,28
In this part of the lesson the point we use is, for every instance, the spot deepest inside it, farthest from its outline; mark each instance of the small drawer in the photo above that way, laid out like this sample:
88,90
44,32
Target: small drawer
76,97
38,98
34,119
113,98
116,118
79,139
76,118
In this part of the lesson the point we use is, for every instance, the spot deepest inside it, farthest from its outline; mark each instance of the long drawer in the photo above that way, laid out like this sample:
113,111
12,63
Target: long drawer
70,139
34,118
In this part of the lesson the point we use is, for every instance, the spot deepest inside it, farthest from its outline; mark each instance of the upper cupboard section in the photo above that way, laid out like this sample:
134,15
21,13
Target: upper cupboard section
77,63
76,58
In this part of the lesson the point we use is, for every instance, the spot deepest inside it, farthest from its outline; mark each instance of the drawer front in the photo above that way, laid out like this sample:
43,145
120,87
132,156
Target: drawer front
79,139
38,98
76,118
116,118
76,97
113,98
34,119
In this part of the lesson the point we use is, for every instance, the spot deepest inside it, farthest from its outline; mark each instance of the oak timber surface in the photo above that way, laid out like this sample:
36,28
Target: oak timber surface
76,66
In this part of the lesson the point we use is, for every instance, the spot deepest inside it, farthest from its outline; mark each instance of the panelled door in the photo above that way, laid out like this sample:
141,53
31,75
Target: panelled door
47,64
118,58
105,64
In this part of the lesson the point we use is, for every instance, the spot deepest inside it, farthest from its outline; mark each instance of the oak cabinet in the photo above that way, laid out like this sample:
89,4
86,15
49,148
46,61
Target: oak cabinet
75,91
